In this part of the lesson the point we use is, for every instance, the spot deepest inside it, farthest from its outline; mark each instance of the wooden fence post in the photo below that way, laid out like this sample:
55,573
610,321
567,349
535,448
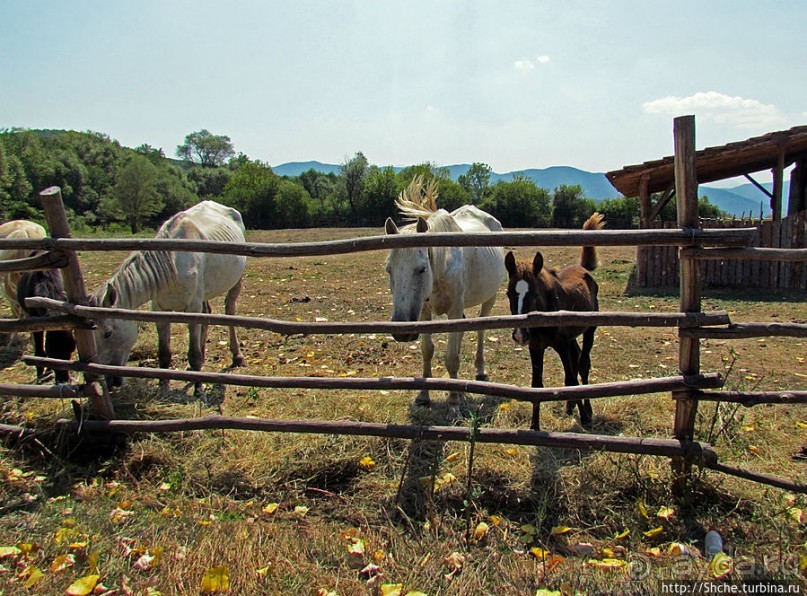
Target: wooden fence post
56,217
686,191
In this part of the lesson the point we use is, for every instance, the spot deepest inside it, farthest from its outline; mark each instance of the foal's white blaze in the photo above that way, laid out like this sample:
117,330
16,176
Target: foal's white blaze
522,287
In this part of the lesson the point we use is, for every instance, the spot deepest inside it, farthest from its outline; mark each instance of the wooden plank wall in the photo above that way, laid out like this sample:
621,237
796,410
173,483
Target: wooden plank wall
657,266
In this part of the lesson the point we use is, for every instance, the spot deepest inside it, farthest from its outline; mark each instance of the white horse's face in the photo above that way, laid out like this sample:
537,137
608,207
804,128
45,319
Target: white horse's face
410,282
114,338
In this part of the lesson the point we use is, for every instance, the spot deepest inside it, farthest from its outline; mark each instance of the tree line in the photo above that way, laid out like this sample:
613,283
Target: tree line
107,185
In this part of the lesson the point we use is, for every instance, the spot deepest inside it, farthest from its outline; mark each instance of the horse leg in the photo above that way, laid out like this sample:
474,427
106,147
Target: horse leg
205,326
479,362
195,353
537,362
453,362
163,347
427,352
585,367
569,353
38,338
229,308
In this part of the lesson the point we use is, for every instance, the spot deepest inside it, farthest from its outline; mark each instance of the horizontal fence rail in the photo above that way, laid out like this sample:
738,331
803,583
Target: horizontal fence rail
753,398
748,330
676,237
55,323
49,260
750,254
534,319
528,394
699,452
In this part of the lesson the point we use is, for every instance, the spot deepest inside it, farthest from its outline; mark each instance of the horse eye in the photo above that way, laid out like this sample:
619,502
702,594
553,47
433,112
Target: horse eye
421,270
107,334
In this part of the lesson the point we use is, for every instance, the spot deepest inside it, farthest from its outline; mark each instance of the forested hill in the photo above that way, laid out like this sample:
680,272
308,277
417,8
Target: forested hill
106,185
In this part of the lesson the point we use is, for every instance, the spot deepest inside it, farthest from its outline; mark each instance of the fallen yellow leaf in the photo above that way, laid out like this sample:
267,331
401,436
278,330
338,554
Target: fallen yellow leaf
367,462
32,575
653,532
539,552
301,511
801,424
607,563
216,579
83,586
270,508
795,514
61,563
452,457
391,589
721,565
653,551
622,534
9,551
480,532
665,512
558,530
642,508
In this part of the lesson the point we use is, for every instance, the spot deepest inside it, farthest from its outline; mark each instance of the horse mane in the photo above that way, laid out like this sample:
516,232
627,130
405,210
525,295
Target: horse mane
140,275
419,199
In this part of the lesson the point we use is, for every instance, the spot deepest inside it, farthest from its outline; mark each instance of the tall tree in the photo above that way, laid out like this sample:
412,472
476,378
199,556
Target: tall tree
135,194
354,176
570,207
206,149
476,181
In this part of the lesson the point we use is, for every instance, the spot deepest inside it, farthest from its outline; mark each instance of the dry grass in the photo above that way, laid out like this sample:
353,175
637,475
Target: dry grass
200,497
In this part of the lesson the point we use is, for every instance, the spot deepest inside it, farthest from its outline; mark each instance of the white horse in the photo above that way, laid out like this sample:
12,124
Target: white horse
174,281
442,280
19,229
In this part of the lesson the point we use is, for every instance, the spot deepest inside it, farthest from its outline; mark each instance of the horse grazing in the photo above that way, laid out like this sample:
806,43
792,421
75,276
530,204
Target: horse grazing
18,229
531,288
442,280
174,281
58,344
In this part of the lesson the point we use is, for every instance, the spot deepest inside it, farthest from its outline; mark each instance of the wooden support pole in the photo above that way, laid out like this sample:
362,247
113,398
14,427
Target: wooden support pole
686,190
778,184
43,324
56,217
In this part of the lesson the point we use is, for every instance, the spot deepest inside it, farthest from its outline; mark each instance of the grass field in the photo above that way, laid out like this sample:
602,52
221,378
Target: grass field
320,514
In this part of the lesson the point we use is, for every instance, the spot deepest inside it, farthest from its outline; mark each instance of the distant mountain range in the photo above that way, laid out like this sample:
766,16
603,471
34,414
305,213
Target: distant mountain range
739,200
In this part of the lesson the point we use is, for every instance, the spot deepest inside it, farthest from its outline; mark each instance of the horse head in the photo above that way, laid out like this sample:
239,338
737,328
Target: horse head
528,290
114,338
410,279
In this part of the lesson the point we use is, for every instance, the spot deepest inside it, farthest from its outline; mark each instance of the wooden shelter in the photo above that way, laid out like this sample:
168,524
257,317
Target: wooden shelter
774,151
658,266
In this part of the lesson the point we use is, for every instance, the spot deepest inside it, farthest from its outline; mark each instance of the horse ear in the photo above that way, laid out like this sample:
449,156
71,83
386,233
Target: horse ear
110,296
538,263
422,226
510,263
390,227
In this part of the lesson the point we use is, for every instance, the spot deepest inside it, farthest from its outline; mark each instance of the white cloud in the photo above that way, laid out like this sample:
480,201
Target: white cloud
543,59
720,108
524,65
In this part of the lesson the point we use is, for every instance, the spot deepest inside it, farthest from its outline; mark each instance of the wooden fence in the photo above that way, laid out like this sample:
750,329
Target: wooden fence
688,387
658,266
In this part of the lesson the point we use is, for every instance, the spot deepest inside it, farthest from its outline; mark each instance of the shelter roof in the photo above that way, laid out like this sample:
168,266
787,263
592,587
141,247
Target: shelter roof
716,163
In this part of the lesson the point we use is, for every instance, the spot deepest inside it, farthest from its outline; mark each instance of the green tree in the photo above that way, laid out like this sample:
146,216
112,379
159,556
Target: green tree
206,149
252,190
519,203
476,181
570,208
293,206
380,192
354,174
135,195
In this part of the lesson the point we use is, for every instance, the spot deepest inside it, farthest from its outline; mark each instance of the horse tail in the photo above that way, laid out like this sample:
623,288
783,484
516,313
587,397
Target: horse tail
588,254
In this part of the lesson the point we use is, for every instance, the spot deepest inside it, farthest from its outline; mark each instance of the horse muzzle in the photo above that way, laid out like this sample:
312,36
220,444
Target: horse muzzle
405,337
521,336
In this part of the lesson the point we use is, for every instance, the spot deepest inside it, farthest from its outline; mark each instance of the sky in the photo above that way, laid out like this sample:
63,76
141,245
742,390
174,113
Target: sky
516,85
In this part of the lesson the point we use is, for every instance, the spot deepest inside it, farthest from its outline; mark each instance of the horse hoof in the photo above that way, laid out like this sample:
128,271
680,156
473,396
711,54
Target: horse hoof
482,377
239,361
